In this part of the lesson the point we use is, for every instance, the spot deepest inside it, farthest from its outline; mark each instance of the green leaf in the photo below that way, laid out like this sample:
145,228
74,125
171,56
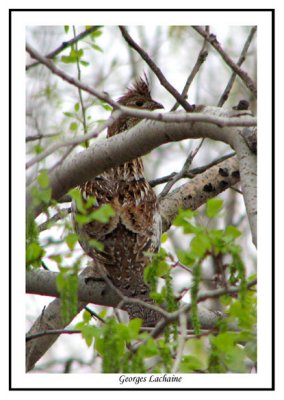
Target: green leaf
164,237
162,269
71,240
67,286
182,215
77,107
77,54
232,232
73,126
134,328
77,197
190,363
235,359
200,244
103,313
43,179
38,149
107,107
251,350
68,114
96,244
89,333
97,48
66,28
103,214
84,63
82,219
150,348
68,59
225,341
46,196
86,316
213,207
100,345
96,34
34,253
56,257
186,257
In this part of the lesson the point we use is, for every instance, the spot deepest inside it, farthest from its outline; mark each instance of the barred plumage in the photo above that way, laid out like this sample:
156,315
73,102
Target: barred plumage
136,226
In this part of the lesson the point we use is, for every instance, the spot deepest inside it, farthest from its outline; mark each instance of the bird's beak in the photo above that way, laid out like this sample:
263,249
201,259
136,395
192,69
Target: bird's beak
158,105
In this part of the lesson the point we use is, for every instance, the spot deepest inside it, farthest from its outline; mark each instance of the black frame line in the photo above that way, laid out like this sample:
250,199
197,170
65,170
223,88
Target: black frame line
272,12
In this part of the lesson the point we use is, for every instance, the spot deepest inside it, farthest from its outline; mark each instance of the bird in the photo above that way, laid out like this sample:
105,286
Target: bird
135,227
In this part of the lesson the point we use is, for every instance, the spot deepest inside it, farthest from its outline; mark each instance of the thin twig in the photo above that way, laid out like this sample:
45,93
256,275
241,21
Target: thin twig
233,120
56,217
72,81
94,314
157,71
201,297
65,45
181,342
52,332
242,74
242,58
236,190
200,60
182,172
65,155
130,300
73,142
79,89
40,136
189,174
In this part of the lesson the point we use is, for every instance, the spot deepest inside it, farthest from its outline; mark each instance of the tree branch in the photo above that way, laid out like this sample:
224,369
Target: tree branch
65,45
200,60
242,74
201,188
242,58
164,82
248,174
134,143
44,282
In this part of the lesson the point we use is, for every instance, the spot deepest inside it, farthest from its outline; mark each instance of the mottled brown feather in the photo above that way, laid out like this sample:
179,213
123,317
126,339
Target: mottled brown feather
136,226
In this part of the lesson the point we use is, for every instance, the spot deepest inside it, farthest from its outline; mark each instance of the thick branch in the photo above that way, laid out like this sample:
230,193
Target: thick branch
248,174
134,143
196,192
94,292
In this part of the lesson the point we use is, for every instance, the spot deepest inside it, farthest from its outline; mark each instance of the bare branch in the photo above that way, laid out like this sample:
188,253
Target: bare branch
74,141
190,173
242,74
73,81
183,172
65,45
51,332
44,282
59,215
207,318
200,60
201,188
242,58
164,82
40,136
134,143
248,173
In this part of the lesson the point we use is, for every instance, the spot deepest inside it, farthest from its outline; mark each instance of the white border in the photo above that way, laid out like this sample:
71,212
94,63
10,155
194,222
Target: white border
262,20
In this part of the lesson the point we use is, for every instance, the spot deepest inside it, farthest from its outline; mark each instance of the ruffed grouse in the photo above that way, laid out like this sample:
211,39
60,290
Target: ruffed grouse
136,226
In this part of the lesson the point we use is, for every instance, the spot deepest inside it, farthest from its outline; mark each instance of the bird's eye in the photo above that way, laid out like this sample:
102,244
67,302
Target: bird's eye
139,103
